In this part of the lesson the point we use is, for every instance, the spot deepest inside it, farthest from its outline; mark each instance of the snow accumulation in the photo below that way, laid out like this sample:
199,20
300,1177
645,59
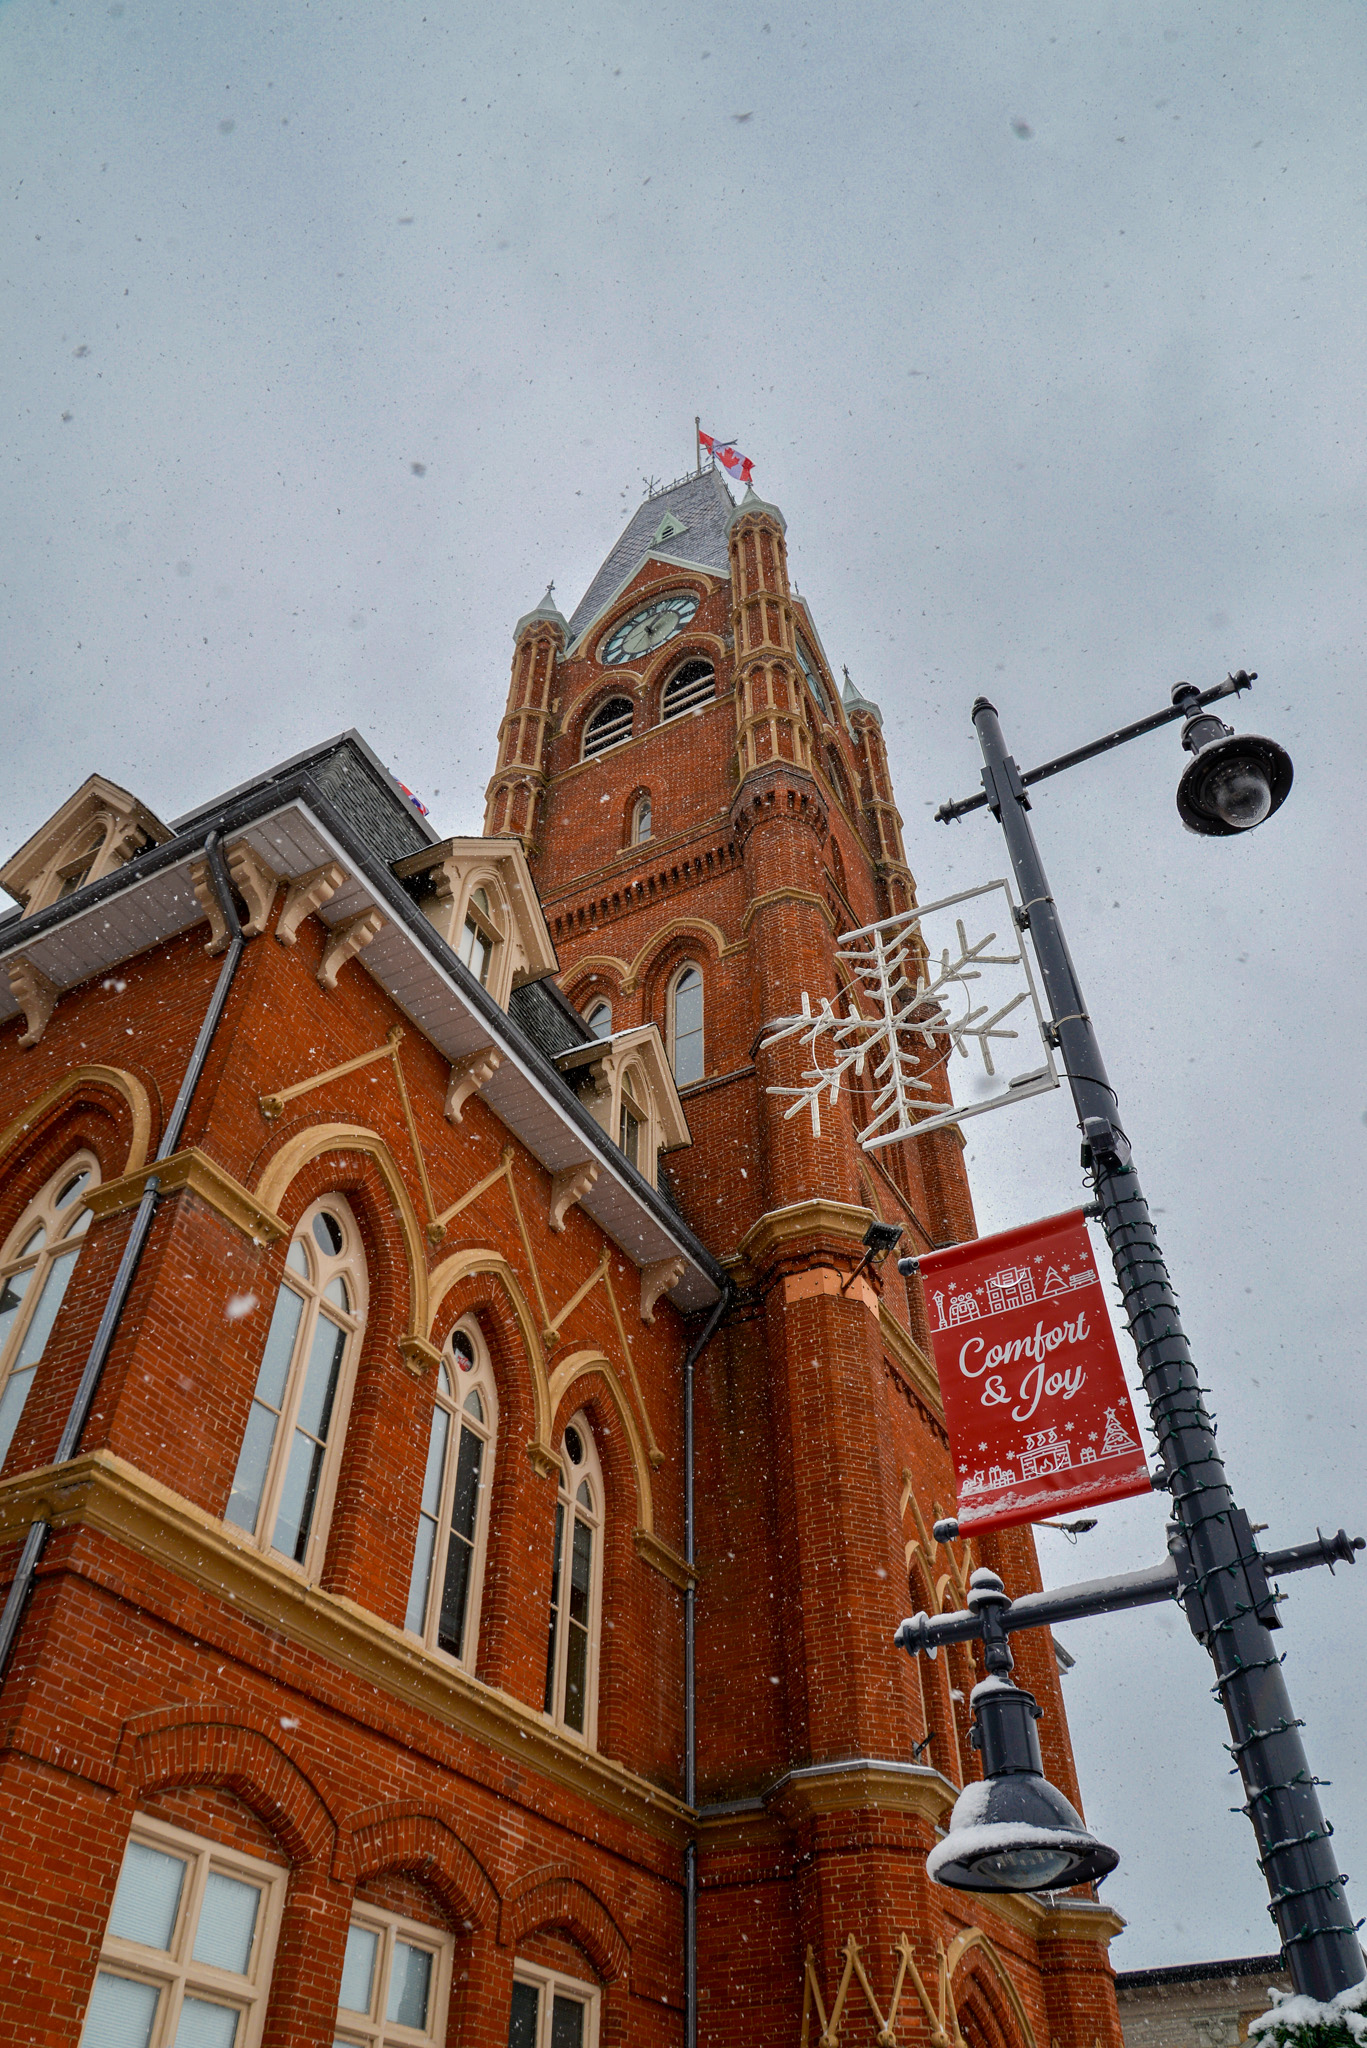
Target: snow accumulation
1299,2022
996,1840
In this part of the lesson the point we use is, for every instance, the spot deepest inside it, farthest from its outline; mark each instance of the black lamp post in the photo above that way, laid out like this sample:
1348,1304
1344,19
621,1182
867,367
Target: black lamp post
1230,785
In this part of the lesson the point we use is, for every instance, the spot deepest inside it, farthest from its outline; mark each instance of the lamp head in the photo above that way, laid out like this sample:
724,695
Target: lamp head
1233,780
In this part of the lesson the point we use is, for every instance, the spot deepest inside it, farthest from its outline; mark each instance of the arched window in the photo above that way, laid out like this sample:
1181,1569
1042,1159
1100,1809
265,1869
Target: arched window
598,1017
610,724
812,674
840,782
685,1024
640,820
35,1271
576,1585
691,689
632,1119
479,936
453,1521
287,1467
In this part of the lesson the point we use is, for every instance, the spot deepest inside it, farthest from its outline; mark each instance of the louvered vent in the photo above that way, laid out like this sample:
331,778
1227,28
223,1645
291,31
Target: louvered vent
609,726
691,688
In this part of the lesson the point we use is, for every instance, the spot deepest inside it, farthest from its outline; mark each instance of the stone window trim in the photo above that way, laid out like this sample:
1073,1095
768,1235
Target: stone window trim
448,1520
282,1488
632,1064
174,1973
36,1264
576,1609
450,877
378,1937
551,1986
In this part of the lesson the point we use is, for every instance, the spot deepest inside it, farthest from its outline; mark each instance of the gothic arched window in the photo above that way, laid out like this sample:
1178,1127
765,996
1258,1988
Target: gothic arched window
690,690
35,1270
686,1024
598,1017
453,1521
610,724
576,1585
287,1467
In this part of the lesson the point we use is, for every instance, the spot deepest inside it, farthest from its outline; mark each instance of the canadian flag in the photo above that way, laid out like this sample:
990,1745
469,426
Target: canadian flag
728,455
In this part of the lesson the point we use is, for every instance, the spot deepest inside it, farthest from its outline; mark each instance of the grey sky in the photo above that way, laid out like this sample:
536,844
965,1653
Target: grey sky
1044,327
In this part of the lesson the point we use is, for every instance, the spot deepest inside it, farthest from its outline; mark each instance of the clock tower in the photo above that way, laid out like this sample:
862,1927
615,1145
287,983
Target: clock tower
704,811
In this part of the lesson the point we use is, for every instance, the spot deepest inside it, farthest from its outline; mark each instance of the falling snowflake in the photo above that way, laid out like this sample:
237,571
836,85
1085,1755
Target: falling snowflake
905,1014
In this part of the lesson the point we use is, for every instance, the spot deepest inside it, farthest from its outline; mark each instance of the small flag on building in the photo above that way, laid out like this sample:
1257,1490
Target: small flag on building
416,801
728,455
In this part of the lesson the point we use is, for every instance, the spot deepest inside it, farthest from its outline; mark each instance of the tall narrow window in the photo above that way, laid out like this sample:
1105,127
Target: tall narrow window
551,2011
641,828
396,1981
187,1954
478,938
35,1271
629,1127
576,1586
598,1017
453,1521
685,1025
287,1468
610,724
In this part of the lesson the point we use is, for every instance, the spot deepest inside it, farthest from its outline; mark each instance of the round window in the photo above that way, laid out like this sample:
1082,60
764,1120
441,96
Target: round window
327,1234
574,1444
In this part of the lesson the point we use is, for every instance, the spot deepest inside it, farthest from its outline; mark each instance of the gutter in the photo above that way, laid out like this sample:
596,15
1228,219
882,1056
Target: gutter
691,1358
84,1398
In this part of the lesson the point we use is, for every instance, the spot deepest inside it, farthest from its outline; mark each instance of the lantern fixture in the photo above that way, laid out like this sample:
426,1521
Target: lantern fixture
1233,780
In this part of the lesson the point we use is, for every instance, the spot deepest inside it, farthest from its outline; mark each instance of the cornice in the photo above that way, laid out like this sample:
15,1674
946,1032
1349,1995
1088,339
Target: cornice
204,1177
103,1493
859,1785
820,1217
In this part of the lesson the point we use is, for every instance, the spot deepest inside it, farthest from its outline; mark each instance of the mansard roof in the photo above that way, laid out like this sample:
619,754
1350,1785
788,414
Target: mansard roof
701,504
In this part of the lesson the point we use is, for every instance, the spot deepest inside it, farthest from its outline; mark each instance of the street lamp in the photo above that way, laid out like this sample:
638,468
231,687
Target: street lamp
1214,1565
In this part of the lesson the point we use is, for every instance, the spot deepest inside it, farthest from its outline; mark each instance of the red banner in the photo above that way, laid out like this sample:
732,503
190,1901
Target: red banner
1038,1412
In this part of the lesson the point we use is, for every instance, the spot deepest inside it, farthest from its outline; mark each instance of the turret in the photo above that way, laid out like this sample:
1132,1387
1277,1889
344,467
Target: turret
885,820
513,800
771,713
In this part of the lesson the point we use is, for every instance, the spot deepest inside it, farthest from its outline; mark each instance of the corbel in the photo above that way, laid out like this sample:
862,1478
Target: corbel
656,1279
306,895
35,995
255,882
345,941
418,1355
543,1462
569,1187
207,897
471,1072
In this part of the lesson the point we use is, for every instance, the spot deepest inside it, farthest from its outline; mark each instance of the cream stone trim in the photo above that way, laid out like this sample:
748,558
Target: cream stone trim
677,926
297,1152
123,1083
599,961
912,1360
859,1786
569,1187
817,1218
102,1492
576,1367
974,1938
418,1355
345,941
256,882
204,1177
36,997
663,1558
758,903
469,1074
656,1279
307,894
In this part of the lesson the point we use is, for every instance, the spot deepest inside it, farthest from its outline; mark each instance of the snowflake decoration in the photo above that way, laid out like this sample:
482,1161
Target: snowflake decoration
905,1014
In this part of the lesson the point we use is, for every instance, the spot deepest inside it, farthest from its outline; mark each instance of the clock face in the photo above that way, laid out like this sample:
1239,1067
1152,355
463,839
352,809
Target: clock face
649,628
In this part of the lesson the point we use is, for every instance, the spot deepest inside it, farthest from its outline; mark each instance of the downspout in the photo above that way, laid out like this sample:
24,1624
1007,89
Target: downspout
690,1695
84,1398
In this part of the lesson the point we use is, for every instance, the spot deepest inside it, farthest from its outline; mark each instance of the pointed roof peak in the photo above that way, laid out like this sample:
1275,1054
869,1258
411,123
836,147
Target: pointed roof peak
548,609
854,700
752,502
699,504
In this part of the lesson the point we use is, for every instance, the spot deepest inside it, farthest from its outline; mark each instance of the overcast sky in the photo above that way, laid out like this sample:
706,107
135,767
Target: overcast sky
334,332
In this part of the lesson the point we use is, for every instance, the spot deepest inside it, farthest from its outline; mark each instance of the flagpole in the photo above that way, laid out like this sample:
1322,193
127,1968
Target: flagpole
697,440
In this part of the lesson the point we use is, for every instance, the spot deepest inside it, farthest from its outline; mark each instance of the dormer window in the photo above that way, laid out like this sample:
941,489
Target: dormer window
95,831
692,689
478,939
609,726
624,1082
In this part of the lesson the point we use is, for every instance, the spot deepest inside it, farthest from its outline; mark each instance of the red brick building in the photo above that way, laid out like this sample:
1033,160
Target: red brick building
456,1499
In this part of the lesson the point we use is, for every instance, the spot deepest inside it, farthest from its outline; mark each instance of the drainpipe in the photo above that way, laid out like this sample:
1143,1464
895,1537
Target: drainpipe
84,1398
690,1692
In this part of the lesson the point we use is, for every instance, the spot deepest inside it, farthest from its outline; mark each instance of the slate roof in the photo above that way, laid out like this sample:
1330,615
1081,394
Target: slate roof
704,505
